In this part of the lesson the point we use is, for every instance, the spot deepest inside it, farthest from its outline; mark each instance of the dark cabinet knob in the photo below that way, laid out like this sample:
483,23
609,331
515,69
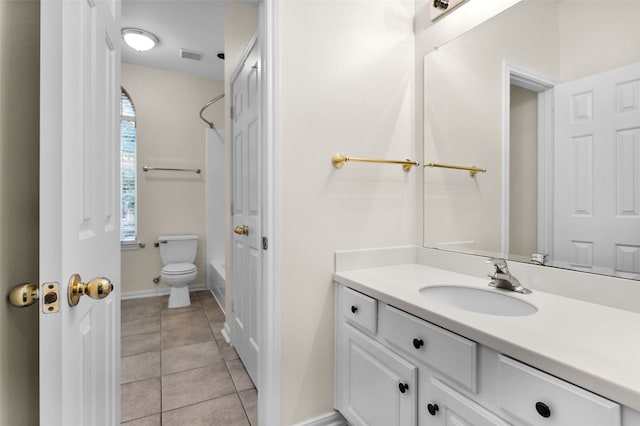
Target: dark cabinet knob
354,309
543,409
433,409
403,387
418,343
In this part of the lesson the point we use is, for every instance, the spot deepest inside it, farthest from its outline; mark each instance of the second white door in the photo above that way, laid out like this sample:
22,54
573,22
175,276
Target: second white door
246,209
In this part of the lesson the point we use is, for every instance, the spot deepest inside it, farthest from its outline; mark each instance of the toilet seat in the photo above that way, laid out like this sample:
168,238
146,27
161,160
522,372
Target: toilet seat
178,269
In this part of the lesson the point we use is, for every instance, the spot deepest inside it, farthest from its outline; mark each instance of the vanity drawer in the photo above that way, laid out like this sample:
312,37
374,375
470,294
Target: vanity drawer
447,352
360,310
537,398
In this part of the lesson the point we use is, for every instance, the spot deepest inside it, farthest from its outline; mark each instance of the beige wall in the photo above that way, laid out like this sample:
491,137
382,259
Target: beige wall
523,180
19,152
169,134
240,24
579,48
346,85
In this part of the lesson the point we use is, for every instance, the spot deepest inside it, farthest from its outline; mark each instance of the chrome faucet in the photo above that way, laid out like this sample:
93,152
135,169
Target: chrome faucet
503,279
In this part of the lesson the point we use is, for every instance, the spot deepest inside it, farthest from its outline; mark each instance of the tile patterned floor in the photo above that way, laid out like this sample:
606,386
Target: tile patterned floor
177,368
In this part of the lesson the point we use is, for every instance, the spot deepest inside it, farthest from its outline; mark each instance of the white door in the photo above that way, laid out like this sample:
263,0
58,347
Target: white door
79,210
246,209
378,386
597,173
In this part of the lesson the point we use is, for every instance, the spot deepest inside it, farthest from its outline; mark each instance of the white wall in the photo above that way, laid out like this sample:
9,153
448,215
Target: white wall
428,35
169,134
346,85
464,103
19,153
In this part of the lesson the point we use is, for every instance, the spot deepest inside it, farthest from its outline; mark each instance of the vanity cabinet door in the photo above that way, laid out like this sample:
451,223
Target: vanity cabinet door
378,388
446,407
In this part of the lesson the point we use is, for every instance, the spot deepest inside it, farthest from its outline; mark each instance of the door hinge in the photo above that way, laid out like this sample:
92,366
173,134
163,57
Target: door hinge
265,243
233,112
233,306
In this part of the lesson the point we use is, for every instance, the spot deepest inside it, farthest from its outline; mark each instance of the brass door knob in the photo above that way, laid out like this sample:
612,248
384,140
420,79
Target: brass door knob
241,230
23,295
97,288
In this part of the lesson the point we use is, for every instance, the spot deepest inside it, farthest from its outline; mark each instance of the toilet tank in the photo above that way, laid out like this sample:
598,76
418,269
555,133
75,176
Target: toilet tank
178,248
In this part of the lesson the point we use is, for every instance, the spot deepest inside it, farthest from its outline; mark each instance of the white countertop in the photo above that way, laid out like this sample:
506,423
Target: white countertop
593,346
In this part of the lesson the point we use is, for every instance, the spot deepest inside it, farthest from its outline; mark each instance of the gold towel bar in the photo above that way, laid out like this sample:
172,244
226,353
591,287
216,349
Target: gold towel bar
472,170
338,161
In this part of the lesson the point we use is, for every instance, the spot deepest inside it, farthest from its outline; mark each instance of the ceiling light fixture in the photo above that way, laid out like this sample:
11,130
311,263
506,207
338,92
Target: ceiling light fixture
138,39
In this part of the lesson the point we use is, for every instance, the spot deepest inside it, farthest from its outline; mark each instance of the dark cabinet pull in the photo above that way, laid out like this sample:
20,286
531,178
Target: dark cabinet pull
354,309
403,387
433,409
418,343
543,409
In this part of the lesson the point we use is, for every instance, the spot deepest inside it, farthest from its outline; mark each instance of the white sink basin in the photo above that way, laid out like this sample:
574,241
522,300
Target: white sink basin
478,300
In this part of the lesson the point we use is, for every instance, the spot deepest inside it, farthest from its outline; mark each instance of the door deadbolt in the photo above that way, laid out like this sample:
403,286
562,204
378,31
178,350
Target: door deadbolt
241,230
97,288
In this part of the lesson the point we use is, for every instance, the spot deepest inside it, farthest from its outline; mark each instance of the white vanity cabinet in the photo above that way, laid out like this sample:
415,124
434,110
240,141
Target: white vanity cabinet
374,386
393,368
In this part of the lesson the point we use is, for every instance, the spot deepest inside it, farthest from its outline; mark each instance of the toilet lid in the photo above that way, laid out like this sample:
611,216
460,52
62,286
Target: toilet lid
179,268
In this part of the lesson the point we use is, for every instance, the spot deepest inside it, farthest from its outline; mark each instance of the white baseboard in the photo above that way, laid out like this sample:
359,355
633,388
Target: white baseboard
157,292
330,419
226,333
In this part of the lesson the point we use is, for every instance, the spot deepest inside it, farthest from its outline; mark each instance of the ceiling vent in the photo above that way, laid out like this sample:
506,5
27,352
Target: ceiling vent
190,54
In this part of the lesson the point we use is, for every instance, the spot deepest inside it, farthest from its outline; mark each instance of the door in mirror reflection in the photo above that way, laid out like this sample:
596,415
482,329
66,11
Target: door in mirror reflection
597,173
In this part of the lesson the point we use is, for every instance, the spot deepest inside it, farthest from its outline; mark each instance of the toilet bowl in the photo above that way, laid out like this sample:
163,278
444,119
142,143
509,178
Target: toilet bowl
178,252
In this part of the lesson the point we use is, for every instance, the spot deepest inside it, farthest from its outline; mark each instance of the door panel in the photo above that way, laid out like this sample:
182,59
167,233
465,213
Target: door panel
597,173
79,202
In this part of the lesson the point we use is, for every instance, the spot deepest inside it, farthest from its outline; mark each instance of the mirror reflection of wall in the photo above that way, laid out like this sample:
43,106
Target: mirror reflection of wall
474,114
523,172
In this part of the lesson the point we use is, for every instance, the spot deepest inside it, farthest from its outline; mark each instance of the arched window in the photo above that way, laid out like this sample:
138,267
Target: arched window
128,194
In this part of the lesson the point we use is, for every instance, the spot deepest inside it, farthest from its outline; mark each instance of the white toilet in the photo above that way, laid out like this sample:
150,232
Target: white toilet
178,252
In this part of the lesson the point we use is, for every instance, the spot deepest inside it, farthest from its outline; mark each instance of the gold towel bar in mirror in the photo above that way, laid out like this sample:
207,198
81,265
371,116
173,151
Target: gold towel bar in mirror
170,169
338,161
472,169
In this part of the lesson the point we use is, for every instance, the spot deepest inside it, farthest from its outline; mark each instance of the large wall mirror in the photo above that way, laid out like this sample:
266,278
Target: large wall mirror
546,97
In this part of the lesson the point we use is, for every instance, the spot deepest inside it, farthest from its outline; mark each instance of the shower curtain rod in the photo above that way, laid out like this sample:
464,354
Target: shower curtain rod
211,102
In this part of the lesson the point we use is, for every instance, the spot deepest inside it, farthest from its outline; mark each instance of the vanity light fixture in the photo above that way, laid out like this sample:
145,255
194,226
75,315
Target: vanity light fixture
138,39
